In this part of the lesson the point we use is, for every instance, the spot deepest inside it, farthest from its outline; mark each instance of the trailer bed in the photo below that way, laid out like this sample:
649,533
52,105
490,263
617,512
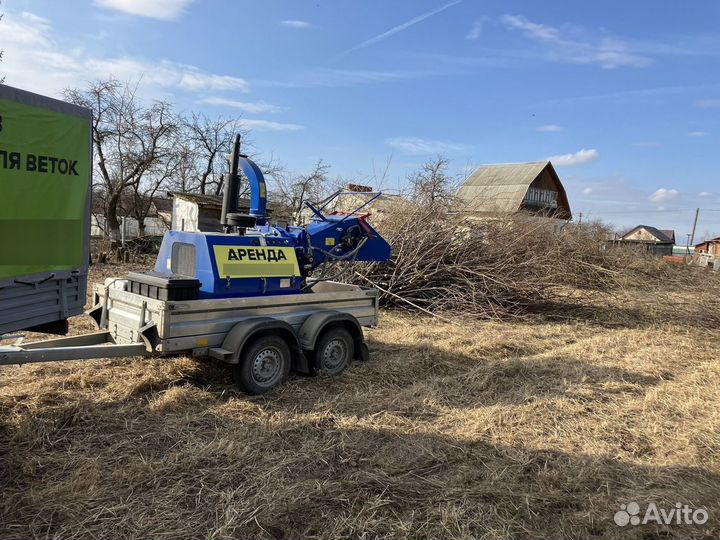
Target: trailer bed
134,325
192,324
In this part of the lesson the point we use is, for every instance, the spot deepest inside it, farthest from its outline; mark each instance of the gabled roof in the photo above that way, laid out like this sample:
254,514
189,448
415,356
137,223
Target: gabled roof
501,188
664,237
710,241
670,233
162,204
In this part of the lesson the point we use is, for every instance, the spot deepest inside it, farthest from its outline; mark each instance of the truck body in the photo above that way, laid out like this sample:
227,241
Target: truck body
45,178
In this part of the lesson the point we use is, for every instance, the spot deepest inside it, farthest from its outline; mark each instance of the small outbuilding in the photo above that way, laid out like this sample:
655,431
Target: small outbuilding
194,212
533,188
659,242
711,247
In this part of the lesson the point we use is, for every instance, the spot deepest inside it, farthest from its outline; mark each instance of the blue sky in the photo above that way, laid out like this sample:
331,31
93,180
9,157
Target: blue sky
623,96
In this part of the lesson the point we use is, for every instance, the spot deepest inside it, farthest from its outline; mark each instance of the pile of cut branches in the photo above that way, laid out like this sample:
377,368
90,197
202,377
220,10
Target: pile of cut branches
444,261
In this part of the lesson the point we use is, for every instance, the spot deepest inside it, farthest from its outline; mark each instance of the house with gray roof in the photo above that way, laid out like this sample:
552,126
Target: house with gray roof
657,241
533,188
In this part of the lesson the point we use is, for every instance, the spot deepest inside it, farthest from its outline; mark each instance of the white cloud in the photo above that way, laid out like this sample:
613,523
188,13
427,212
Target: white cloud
708,103
417,146
608,53
267,125
663,195
550,128
164,74
33,60
167,10
400,27
587,191
706,195
294,23
253,108
577,158
194,80
477,28
25,29
532,30
696,134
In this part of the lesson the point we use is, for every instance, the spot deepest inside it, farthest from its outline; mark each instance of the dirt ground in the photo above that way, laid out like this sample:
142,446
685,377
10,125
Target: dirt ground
536,427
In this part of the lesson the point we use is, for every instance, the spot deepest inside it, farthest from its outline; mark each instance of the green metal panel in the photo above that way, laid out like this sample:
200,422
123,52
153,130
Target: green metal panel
44,179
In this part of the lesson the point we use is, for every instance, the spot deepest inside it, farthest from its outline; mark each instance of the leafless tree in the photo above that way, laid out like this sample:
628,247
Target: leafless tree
431,184
147,188
293,191
205,144
132,141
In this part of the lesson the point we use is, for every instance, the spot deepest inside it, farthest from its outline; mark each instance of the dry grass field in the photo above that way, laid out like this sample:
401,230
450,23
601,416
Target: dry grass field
531,427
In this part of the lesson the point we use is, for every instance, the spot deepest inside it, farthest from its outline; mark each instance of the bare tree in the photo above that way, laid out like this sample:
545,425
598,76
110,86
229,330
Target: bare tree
131,140
145,190
294,190
185,179
431,184
206,142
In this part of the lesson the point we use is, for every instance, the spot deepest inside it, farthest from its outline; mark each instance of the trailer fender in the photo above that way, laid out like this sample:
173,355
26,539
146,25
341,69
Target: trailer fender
317,322
243,332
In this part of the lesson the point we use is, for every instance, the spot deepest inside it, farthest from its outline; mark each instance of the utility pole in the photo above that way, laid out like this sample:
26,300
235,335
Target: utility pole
692,235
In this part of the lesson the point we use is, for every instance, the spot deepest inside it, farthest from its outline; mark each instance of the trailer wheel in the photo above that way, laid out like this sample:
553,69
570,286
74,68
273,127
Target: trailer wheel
265,364
334,350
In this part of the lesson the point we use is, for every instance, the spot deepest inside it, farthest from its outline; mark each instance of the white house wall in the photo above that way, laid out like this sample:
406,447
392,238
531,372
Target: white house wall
184,215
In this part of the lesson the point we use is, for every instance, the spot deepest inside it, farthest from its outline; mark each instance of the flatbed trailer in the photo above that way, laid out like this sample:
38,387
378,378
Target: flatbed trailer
262,337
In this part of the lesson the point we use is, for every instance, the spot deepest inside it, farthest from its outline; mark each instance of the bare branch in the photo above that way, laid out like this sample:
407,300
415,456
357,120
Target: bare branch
134,146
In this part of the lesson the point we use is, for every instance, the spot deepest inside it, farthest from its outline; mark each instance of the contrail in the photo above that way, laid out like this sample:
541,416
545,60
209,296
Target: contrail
399,28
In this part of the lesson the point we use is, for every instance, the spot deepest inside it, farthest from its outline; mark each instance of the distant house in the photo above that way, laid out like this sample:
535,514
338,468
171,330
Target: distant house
197,212
532,188
657,241
710,247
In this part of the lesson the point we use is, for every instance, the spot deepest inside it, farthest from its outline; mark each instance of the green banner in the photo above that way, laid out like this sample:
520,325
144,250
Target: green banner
44,181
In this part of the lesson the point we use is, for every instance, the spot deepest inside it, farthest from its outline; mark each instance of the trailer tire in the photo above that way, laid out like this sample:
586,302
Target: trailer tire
334,350
264,364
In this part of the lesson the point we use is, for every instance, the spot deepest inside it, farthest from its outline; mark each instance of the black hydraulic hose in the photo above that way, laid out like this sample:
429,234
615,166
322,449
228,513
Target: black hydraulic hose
334,259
